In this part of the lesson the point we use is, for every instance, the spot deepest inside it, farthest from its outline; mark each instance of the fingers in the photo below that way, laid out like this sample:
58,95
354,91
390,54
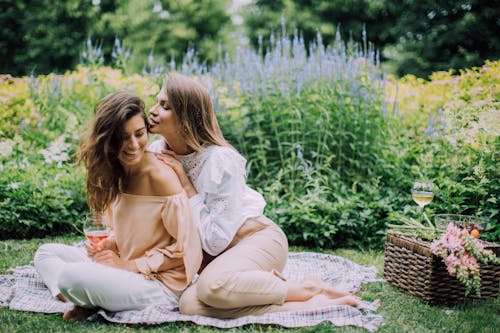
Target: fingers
165,157
102,256
105,254
170,153
170,161
92,248
109,258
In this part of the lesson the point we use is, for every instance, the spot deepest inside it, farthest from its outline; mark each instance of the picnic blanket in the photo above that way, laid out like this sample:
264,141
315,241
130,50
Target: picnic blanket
22,289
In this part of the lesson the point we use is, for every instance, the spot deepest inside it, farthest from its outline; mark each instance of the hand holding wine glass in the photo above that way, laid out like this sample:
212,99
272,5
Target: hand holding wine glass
96,232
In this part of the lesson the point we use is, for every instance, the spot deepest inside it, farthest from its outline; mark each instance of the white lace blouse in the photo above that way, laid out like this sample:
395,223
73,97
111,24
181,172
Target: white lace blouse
224,200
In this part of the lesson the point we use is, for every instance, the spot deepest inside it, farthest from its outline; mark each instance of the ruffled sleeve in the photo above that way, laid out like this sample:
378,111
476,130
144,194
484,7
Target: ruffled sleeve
179,261
217,208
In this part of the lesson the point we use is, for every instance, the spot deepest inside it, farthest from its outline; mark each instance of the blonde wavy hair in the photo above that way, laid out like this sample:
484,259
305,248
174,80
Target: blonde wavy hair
194,108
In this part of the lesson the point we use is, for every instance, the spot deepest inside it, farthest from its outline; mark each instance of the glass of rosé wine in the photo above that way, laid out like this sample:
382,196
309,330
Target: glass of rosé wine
95,230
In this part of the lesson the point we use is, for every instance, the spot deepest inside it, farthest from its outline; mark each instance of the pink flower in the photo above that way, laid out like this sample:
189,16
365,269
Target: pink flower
461,254
452,242
469,263
451,263
479,245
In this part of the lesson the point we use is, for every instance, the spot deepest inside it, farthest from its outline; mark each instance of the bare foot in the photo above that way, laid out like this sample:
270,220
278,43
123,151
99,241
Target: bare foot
325,287
78,314
348,300
61,297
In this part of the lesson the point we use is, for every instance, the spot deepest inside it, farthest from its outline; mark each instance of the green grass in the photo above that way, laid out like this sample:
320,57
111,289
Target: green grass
402,313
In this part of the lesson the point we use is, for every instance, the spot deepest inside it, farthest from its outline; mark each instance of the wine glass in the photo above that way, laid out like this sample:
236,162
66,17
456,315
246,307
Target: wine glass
95,230
422,193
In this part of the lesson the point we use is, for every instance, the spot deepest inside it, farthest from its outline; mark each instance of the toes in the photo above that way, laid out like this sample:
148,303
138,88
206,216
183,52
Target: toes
61,297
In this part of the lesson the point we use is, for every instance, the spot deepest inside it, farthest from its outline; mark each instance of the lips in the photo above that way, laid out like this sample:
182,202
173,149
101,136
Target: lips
131,155
132,152
152,122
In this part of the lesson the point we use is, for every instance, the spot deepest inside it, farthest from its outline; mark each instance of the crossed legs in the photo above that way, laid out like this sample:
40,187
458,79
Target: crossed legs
70,274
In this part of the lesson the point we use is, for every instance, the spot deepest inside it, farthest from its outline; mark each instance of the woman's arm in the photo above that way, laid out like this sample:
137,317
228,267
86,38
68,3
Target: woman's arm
185,253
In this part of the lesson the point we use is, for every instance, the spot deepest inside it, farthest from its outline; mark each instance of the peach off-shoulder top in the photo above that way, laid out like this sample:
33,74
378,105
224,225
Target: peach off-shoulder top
160,235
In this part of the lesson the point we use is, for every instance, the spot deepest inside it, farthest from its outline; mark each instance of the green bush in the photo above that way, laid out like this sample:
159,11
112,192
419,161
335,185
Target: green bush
41,190
333,164
314,133
37,200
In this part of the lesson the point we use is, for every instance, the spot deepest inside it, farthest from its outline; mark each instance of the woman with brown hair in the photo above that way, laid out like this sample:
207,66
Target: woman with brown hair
155,250
250,250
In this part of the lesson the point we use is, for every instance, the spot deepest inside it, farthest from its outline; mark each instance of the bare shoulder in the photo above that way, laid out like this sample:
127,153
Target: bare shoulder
163,179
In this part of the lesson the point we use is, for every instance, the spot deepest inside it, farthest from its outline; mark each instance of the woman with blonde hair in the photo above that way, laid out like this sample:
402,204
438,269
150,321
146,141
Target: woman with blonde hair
155,251
250,250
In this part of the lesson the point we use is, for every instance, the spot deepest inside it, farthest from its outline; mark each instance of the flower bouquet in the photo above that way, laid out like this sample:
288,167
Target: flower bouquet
462,252
443,263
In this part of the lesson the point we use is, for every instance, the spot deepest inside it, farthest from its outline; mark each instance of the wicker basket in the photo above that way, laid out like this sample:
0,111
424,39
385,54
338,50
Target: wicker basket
410,265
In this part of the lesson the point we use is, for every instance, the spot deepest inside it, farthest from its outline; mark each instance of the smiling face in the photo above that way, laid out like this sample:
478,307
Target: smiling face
134,138
163,119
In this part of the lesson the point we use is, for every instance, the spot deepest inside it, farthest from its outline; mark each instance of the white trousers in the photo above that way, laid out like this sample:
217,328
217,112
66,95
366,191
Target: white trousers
68,270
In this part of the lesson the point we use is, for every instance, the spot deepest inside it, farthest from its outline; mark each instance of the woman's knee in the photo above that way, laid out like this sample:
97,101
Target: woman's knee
69,278
45,251
189,304
214,291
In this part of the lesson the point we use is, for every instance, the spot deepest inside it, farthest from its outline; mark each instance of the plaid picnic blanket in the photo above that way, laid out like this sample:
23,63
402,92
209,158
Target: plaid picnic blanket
23,290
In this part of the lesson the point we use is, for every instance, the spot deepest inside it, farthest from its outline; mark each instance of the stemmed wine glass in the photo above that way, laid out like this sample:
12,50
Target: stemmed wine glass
95,230
422,193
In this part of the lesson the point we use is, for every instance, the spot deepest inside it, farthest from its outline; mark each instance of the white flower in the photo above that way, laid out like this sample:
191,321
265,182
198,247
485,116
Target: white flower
14,186
6,148
56,152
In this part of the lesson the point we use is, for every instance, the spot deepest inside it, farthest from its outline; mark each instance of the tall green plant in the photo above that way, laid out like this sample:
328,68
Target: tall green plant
314,132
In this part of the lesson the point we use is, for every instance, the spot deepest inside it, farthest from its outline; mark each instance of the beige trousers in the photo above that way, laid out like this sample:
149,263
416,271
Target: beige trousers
244,279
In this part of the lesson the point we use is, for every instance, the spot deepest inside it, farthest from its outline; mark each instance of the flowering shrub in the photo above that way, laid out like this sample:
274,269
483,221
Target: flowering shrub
462,254
315,124
449,132
422,105
41,120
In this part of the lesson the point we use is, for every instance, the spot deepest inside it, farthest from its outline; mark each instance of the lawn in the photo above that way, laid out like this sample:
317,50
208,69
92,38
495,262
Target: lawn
402,313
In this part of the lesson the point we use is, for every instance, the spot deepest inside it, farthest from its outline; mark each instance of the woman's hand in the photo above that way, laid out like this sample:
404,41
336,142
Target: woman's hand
93,248
170,158
111,258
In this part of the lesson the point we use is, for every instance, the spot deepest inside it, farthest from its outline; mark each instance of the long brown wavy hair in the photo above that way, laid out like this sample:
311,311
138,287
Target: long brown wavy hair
99,149
194,108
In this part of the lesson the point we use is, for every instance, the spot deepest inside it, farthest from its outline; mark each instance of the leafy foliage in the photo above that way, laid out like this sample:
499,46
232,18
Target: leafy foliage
452,124
313,129
334,163
36,201
42,191
441,36
42,36
165,28
46,36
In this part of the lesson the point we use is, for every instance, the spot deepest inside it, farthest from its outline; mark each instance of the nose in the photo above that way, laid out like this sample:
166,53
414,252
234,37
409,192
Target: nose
133,143
154,110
